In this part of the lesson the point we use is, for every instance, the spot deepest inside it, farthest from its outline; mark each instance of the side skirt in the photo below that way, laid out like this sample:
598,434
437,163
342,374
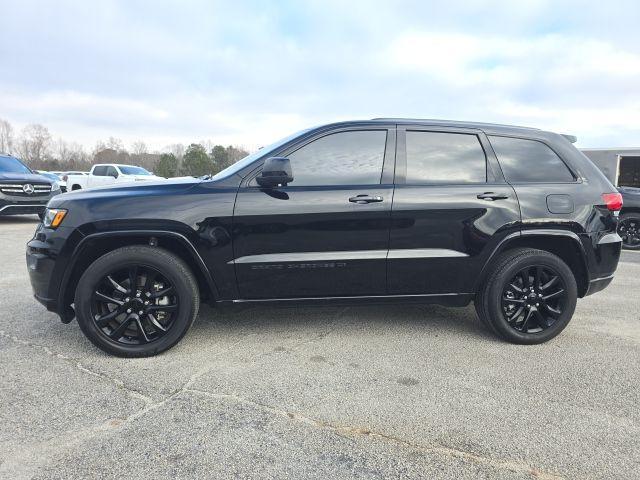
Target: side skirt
446,299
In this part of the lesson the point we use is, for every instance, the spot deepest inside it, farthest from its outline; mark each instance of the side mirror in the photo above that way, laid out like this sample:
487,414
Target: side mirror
275,171
114,174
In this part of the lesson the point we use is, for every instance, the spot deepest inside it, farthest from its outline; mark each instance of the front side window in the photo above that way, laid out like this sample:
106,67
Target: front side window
524,160
343,158
444,158
112,172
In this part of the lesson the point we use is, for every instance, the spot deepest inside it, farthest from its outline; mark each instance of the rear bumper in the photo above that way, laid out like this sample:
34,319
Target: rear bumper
598,284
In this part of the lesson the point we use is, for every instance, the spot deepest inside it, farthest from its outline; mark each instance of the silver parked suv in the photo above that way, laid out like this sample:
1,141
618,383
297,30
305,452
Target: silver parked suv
21,190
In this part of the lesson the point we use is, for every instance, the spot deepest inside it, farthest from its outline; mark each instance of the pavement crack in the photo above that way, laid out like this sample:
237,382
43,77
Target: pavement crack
346,430
78,365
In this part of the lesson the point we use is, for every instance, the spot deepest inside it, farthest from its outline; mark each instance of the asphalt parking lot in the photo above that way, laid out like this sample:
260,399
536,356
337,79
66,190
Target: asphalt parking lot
323,392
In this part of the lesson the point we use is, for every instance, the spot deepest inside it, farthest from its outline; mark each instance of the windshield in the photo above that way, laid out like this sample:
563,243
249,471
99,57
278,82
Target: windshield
249,159
128,170
12,165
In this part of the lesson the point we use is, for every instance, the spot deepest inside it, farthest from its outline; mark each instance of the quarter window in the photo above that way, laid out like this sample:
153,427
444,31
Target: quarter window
445,158
524,160
343,158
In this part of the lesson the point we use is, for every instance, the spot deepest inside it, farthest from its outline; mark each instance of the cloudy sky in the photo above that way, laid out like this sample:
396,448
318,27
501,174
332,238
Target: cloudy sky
250,72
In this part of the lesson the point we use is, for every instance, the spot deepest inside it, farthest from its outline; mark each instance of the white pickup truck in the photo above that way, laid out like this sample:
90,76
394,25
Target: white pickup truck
108,173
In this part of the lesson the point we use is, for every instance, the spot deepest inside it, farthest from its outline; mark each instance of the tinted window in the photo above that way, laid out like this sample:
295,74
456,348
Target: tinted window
101,171
529,161
345,158
129,170
437,157
112,172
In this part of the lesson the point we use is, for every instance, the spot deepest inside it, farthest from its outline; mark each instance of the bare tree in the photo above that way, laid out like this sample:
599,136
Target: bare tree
139,147
33,144
177,149
6,136
115,144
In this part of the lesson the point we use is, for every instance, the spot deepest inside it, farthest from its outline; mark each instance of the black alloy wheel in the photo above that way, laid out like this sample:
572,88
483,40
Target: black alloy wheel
534,298
136,301
528,297
134,305
629,231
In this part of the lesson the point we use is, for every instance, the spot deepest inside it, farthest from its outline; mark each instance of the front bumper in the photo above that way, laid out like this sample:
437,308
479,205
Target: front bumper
40,267
22,208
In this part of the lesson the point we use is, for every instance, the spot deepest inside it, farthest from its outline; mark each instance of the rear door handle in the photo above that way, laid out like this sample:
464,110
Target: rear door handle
362,199
492,196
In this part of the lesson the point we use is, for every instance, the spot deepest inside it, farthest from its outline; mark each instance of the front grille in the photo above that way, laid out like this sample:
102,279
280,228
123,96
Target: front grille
18,189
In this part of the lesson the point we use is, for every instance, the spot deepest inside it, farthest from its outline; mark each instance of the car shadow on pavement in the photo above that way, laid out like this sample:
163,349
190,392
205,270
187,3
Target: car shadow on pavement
402,319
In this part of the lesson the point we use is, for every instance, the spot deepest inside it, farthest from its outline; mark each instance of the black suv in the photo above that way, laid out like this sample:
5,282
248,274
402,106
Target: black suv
387,210
23,191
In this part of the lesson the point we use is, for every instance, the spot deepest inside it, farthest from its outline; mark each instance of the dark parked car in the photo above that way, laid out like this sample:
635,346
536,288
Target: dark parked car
388,210
23,191
629,227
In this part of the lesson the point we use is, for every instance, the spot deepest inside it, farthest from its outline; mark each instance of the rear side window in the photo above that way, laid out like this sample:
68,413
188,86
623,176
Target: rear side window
529,161
445,158
344,158
100,171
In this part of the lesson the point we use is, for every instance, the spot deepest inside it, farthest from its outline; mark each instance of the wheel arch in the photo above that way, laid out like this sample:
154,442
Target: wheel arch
564,244
93,246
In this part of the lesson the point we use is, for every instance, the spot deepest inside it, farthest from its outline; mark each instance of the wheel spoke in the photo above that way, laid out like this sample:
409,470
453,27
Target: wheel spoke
108,299
513,300
119,331
141,331
553,295
162,293
538,279
550,283
516,288
526,320
156,323
116,285
104,319
133,279
554,311
525,278
162,308
149,278
516,314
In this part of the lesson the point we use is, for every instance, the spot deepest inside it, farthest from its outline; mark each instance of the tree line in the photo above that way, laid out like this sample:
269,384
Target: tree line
35,146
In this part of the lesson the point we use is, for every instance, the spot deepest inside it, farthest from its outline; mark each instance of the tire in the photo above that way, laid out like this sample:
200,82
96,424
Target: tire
629,230
182,297
545,313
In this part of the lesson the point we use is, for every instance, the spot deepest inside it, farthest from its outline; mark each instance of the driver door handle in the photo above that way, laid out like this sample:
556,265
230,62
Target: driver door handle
492,196
362,199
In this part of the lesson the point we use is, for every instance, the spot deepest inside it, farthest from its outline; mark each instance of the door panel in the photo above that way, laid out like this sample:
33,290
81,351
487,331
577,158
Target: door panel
451,233
317,240
443,233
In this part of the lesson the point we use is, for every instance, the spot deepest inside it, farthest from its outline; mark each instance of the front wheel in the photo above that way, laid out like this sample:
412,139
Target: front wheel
136,301
529,297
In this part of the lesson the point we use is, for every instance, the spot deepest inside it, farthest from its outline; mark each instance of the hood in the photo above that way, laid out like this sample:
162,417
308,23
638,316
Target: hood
24,178
127,189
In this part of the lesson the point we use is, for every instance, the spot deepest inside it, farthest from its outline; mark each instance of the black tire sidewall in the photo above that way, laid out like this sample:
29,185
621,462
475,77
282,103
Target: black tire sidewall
143,256
494,301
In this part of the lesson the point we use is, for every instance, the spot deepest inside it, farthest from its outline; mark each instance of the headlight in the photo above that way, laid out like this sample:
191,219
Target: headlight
55,186
53,217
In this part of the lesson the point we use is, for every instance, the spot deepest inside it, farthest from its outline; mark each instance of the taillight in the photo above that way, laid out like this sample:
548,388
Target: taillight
613,201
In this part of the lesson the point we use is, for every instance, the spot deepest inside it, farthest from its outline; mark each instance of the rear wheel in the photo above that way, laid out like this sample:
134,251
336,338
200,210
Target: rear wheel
629,230
136,301
529,297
